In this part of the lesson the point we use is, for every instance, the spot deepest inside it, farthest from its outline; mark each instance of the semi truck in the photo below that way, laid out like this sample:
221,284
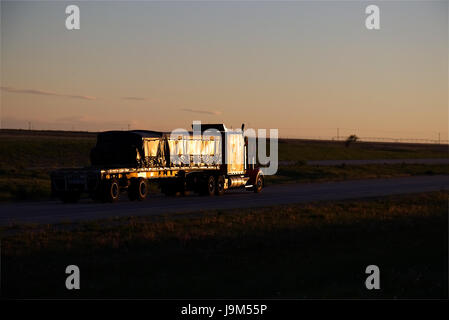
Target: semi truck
208,162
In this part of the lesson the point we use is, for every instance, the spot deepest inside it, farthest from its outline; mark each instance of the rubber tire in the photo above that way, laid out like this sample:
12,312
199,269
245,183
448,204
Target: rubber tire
258,184
142,189
219,186
111,191
138,189
208,186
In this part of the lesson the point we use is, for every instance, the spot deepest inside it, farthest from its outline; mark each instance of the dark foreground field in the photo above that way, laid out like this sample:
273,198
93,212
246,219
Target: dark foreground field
317,250
27,157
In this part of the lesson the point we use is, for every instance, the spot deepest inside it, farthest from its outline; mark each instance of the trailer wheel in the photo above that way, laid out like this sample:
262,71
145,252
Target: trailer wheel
258,184
112,191
70,197
138,189
219,187
209,186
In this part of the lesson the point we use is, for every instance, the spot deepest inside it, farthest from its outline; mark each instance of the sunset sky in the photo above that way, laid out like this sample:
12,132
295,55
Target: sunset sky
305,68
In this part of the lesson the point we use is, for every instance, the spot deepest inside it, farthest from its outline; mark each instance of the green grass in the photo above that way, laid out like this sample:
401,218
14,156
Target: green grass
27,157
316,250
26,160
37,152
24,185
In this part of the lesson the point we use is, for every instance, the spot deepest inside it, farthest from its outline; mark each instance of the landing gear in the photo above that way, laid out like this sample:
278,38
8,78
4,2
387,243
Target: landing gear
168,189
138,189
173,188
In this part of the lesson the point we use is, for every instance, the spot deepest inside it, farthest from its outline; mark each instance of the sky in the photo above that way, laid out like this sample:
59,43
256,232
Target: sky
305,68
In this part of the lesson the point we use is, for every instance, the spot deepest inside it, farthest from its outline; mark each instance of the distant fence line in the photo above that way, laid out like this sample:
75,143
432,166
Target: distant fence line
323,138
378,139
405,140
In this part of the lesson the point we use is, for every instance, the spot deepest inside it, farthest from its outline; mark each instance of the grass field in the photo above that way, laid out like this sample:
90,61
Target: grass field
27,157
316,250
303,150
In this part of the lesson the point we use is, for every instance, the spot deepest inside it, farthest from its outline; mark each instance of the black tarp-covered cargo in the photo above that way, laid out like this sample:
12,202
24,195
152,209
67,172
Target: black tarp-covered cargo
123,148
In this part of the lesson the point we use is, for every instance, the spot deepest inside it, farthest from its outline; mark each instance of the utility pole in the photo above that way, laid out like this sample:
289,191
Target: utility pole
338,134
439,138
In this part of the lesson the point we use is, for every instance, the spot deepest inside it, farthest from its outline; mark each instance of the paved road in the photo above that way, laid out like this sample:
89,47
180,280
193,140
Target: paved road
54,211
378,161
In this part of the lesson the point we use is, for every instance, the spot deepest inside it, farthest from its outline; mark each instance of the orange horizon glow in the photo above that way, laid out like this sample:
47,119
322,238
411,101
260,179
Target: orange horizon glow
308,69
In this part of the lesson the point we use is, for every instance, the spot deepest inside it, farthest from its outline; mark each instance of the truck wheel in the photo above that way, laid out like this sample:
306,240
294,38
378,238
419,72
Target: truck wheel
258,184
112,191
209,186
70,197
138,189
219,187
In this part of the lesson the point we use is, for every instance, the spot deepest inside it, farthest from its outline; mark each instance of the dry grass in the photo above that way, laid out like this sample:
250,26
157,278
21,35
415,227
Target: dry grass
307,250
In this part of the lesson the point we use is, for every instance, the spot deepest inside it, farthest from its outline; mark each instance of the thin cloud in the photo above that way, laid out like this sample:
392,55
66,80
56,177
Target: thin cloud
75,119
134,98
215,113
46,93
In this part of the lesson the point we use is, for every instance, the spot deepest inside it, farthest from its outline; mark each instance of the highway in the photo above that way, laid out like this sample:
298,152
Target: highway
50,212
377,161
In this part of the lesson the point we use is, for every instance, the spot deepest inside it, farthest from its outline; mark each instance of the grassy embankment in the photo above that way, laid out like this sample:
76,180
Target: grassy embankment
27,157
316,250
297,152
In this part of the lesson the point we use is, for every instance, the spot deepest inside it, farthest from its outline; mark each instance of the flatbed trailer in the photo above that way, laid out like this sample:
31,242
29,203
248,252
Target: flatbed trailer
145,157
